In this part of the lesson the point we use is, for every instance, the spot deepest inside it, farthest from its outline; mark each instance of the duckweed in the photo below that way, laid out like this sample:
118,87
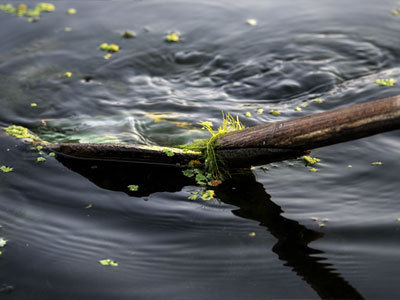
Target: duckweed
310,160
108,262
172,37
385,82
18,132
109,47
252,22
275,112
133,187
6,169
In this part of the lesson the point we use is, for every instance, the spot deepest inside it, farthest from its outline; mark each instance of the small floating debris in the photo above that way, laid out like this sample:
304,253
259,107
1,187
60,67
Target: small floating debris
33,104
40,159
349,166
108,262
67,29
22,10
385,82
313,170
129,34
298,108
89,206
310,160
252,22
6,169
109,47
52,154
275,112
321,223
168,152
252,234
318,100
67,74
395,12
71,11
260,111
377,163
172,37
248,114
107,56
133,187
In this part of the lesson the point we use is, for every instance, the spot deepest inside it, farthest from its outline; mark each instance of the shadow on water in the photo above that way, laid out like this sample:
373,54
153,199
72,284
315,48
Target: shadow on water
253,202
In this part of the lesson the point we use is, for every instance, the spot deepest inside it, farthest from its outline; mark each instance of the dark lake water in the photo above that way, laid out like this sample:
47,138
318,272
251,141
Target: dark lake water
258,239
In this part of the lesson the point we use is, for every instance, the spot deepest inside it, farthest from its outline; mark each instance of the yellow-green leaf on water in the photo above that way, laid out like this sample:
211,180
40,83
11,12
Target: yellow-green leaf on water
310,160
172,37
17,131
107,56
318,100
109,47
71,11
68,74
377,163
385,82
395,12
349,166
314,170
39,147
274,112
297,108
67,29
133,187
248,114
304,105
207,195
33,104
252,234
108,262
103,47
52,154
252,22
6,169
260,111
3,242
40,159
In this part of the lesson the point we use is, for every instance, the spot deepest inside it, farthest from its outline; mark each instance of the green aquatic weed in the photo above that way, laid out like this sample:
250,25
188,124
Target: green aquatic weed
133,187
6,169
108,262
385,82
18,132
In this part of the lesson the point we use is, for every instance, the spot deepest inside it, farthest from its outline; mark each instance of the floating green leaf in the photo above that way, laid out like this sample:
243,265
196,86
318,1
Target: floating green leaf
6,169
192,197
133,187
40,159
314,170
71,11
318,100
260,111
297,108
252,22
109,47
108,262
248,114
52,154
395,12
377,163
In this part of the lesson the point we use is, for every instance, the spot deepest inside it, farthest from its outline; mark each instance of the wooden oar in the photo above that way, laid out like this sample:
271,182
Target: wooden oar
264,143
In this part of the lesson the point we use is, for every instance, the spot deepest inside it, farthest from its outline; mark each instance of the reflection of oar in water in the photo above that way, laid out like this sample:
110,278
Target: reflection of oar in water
241,190
265,143
293,238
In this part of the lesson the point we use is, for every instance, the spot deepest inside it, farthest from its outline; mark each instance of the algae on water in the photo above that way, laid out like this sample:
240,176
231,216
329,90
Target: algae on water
18,132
